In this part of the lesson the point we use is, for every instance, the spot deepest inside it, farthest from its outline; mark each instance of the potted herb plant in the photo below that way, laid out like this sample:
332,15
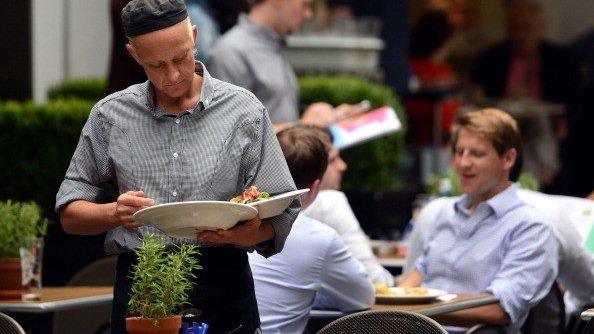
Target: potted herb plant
19,223
161,283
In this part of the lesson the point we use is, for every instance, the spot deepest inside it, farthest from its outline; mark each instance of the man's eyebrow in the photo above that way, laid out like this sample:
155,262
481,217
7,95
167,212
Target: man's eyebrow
182,54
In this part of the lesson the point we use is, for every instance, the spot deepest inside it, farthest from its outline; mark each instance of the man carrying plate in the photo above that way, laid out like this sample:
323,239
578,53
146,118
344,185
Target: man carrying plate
181,136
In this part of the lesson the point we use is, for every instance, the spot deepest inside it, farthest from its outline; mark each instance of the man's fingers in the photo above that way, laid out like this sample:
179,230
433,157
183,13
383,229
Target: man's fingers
138,193
135,201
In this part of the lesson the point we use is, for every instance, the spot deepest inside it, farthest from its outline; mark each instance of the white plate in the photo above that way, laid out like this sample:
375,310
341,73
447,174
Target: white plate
184,219
275,205
399,297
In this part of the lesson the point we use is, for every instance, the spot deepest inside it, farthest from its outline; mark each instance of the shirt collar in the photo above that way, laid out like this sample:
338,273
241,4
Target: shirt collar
206,93
260,32
501,203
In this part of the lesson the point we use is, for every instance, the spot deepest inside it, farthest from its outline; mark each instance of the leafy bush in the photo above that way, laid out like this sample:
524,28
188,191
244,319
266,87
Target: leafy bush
19,221
161,280
92,89
372,165
36,144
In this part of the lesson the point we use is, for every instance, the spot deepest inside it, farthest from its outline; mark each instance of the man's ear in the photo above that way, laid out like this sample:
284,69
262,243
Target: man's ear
509,159
310,196
314,188
195,33
132,51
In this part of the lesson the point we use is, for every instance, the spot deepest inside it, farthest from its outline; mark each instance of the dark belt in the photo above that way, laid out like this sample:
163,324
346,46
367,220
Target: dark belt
224,291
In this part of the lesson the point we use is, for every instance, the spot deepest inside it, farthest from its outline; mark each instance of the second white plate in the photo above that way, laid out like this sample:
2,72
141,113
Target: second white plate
275,205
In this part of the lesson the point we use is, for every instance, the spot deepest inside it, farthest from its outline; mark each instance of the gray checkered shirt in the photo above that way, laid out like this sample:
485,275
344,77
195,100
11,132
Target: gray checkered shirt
225,144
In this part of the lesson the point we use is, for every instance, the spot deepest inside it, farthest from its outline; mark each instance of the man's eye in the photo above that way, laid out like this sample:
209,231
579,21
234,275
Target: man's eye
155,65
178,60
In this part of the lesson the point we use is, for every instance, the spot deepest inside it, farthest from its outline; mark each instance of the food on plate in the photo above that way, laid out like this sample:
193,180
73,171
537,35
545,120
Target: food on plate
415,291
383,290
250,195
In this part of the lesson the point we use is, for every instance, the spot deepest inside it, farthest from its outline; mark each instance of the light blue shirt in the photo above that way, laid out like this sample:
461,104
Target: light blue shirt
314,260
504,247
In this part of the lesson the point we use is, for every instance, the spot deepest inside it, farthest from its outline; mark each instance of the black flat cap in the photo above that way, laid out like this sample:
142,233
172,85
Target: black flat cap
144,16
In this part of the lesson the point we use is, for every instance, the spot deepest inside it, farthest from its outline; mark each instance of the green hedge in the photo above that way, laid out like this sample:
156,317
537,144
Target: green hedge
87,89
373,165
36,144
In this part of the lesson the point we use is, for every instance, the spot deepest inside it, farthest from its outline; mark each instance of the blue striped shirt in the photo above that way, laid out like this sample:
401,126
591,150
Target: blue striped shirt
504,247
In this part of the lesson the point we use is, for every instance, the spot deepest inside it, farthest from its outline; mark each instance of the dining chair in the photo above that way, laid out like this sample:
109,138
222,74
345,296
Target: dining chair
93,319
384,322
9,326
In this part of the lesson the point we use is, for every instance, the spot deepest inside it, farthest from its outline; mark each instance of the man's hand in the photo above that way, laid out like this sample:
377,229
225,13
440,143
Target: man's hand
323,114
245,234
319,114
127,204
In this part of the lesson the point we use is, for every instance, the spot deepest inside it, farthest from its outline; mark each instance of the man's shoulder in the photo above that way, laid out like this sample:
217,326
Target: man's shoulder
229,90
311,231
129,97
526,216
235,40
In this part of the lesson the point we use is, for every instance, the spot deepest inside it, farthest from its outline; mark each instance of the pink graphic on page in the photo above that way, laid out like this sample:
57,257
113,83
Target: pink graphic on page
377,116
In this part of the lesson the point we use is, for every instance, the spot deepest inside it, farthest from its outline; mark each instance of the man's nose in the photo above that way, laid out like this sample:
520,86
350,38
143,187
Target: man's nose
172,74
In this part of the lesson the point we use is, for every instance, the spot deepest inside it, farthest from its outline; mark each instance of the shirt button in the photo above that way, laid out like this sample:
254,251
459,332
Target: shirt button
177,120
175,155
174,193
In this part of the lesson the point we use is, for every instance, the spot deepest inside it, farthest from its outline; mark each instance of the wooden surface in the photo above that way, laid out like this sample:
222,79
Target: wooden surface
60,298
463,301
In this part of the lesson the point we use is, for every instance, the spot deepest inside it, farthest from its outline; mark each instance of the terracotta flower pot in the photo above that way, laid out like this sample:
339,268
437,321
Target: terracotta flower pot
10,278
169,325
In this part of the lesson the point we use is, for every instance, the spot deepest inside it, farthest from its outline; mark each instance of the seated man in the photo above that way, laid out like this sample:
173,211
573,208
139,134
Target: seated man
314,258
332,208
576,265
488,240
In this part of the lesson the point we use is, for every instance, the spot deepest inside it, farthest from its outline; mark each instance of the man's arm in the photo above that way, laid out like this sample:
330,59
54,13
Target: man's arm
490,314
412,279
264,165
344,280
88,218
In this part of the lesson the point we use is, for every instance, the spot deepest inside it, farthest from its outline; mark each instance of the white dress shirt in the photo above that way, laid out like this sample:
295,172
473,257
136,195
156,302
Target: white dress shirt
332,208
314,260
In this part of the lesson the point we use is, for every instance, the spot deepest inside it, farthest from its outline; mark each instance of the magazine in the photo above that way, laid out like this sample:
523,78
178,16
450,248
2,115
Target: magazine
364,127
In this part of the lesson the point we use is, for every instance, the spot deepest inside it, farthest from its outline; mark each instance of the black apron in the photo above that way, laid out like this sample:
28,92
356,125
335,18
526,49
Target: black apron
224,291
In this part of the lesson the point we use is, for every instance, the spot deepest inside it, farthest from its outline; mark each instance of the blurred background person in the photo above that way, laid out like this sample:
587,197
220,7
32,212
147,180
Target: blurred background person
525,66
250,56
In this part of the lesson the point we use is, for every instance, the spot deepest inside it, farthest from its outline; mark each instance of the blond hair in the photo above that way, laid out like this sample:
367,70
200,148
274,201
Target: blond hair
496,125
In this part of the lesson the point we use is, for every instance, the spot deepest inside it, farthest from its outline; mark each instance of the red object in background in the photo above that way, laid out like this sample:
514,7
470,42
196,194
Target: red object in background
436,80
420,118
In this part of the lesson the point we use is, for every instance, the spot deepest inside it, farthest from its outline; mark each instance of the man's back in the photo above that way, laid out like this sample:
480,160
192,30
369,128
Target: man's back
332,208
250,56
314,260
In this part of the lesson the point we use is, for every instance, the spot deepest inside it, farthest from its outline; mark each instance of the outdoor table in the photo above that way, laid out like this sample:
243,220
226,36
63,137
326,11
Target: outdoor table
462,302
60,298
35,315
